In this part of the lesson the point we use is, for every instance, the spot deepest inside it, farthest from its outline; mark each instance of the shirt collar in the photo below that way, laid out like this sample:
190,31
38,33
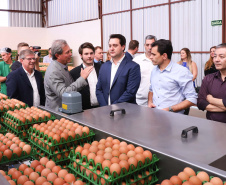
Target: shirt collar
32,74
218,75
145,58
119,60
84,66
96,61
130,54
169,67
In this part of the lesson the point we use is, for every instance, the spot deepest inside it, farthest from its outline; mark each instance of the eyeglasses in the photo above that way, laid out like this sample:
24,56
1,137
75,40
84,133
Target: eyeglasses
29,59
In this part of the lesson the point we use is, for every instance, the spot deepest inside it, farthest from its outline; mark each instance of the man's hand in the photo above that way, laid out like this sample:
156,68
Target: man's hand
152,105
85,72
210,98
166,109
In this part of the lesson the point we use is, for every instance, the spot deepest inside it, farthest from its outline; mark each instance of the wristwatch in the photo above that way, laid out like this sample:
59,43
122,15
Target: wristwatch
170,109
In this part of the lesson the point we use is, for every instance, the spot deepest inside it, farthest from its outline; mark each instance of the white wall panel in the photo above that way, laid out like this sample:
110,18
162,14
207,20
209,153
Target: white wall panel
116,23
186,25
71,11
138,3
211,35
150,22
110,6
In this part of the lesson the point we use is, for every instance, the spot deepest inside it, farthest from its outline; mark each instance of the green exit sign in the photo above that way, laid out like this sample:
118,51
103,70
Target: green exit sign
216,23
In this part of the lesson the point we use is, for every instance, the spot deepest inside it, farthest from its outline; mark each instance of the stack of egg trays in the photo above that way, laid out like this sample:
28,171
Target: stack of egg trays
48,146
2,130
15,157
20,128
114,178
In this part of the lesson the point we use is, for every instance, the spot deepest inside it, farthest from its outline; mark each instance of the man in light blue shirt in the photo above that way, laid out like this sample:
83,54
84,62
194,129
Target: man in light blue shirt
171,84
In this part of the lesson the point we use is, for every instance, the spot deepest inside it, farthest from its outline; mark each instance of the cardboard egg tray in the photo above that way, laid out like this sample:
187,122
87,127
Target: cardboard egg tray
50,145
134,175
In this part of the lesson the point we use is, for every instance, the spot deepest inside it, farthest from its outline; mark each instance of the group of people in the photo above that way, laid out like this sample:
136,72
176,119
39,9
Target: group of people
151,79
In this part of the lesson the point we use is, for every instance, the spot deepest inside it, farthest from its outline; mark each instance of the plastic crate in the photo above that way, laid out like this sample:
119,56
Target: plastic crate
95,178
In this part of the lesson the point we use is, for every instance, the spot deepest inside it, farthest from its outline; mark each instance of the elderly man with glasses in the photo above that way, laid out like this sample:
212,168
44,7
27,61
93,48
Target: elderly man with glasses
26,83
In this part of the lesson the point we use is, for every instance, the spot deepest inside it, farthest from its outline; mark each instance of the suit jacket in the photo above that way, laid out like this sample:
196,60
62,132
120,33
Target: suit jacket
128,55
19,86
57,80
16,65
124,86
85,92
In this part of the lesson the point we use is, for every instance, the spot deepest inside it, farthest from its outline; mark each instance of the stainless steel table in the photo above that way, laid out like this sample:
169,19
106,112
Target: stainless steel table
160,132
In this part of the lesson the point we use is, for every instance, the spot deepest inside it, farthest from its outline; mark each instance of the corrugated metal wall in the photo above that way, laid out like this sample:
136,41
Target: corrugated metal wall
190,25
25,19
63,12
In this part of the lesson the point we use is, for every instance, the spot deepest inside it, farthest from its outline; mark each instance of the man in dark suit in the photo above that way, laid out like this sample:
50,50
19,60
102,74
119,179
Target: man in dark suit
89,99
119,78
26,83
133,49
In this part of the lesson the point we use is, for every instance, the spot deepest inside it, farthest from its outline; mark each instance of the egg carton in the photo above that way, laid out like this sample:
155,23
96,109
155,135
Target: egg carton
49,143
149,165
19,123
15,157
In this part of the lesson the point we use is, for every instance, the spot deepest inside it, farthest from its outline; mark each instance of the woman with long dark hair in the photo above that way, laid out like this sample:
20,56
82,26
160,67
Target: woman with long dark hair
209,66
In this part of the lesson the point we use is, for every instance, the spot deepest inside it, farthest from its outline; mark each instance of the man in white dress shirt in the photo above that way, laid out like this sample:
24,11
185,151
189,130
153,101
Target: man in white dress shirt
146,67
89,99
48,58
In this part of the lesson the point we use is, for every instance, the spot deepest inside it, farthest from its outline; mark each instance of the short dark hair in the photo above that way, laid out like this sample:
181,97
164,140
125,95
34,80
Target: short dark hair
133,44
97,47
164,46
85,45
121,38
22,44
223,45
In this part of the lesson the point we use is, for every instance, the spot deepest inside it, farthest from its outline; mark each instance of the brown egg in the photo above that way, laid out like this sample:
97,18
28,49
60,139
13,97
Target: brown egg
56,169
45,172
207,183
93,149
3,148
123,143
203,176
2,172
115,153
8,153
18,151
50,164
176,180
70,178
115,160
64,135
166,182
108,149
34,164
195,180
22,144
11,171
123,150
140,157
62,173
147,154
183,176
115,167
216,181
106,163
33,176
16,175
39,168
102,141
115,141
40,180
123,157
131,147
7,177
132,160
22,179
22,167
189,171
46,183
11,182
28,171
139,150
57,138
86,130
13,146
115,147
107,156
187,183
78,149
108,144
78,131
58,181
100,152
85,152
51,176
9,143
91,156
99,159
44,160
131,153
124,164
